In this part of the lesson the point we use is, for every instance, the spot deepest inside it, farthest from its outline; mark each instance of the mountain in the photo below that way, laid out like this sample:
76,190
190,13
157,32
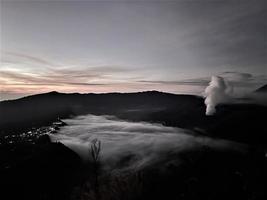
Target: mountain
37,110
262,89
41,169
239,122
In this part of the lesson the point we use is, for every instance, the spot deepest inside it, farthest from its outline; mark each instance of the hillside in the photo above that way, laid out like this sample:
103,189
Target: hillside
262,89
239,122
42,109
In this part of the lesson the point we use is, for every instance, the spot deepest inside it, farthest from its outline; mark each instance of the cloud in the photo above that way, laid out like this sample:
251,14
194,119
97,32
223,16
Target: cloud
192,82
231,32
146,143
17,76
237,76
11,56
246,81
237,79
13,74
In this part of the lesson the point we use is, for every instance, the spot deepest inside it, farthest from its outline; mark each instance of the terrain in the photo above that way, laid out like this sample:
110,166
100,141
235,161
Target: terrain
34,167
240,122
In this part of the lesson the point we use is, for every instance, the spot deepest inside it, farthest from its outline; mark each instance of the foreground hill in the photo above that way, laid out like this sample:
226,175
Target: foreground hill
37,170
239,122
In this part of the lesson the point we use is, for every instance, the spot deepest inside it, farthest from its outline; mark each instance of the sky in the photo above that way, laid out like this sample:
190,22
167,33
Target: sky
129,46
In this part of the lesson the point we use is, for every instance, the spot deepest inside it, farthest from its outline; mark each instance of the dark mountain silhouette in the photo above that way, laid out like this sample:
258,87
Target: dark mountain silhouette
262,89
41,169
43,108
239,122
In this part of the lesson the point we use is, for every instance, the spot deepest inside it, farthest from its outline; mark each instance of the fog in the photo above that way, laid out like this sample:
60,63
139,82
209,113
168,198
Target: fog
144,143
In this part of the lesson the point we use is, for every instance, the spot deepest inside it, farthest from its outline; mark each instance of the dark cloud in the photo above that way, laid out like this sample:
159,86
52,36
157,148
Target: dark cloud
236,79
192,82
244,79
238,75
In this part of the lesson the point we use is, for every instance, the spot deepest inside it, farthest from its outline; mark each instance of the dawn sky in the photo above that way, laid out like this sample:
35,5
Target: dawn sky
127,46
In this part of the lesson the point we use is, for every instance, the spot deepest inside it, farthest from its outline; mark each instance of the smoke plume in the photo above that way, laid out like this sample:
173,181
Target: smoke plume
217,92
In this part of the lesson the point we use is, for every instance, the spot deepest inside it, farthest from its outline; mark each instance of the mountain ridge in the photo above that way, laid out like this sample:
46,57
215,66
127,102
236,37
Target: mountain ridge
232,121
262,89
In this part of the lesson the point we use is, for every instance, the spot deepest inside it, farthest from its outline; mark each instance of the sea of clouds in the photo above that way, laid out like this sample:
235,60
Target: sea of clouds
147,142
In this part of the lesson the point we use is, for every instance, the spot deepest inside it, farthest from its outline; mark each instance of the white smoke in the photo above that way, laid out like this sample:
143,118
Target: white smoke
218,91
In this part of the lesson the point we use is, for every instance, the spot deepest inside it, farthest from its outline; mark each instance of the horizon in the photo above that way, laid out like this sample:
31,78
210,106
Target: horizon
144,91
19,96
88,47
